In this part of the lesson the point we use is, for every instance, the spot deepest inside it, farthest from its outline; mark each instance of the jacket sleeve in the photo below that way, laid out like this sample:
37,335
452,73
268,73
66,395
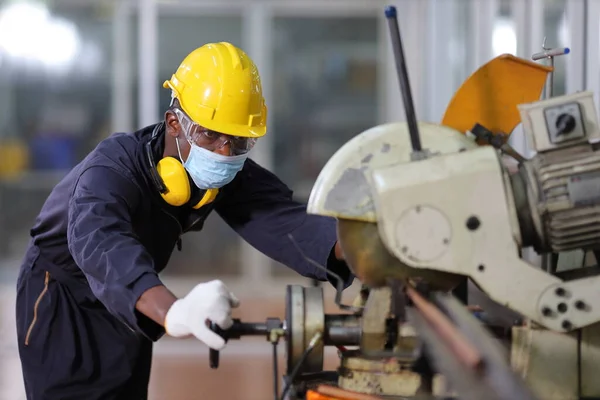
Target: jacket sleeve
260,208
103,244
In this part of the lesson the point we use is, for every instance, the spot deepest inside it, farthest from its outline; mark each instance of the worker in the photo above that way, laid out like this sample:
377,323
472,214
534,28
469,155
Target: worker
90,302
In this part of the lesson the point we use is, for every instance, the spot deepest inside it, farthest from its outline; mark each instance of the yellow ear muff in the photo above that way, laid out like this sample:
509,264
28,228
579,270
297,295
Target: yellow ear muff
209,197
176,180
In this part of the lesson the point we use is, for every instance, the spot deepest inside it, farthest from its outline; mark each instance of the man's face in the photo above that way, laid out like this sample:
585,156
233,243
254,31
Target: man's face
188,133
213,141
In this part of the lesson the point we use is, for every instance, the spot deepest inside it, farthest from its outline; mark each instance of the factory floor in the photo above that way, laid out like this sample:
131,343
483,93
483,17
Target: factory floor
245,372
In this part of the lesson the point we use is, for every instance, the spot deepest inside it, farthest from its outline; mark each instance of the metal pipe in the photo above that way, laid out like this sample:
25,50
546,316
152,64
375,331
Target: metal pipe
342,330
463,350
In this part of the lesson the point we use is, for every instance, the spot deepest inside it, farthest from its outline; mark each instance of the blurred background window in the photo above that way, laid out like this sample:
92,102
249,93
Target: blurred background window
56,63
325,85
556,31
70,76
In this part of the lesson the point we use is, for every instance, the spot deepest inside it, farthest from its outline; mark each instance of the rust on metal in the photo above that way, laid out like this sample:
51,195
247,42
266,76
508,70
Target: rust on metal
373,264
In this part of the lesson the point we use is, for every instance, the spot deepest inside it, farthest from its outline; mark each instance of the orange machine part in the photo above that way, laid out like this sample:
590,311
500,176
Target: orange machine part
312,395
491,94
325,392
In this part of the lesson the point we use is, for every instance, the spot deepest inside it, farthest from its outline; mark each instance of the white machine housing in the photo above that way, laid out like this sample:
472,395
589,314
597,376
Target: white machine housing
456,212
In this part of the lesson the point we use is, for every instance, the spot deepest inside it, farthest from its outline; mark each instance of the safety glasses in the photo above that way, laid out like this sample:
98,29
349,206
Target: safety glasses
211,140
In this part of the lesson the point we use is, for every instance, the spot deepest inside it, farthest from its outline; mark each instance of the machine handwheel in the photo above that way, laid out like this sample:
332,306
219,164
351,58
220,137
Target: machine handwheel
305,316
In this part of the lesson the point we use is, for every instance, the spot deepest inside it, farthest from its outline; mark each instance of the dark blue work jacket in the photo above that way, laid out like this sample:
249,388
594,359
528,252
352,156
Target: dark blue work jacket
105,232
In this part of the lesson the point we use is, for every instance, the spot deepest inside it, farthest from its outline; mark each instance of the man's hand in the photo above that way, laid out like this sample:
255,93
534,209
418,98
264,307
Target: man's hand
210,301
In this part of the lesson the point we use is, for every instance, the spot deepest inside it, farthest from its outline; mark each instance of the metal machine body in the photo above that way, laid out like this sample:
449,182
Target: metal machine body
462,213
420,208
342,190
395,344
436,214
374,358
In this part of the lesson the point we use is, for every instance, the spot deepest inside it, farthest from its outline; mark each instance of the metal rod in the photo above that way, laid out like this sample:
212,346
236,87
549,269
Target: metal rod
547,53
501,381
453,337
251,329
275,371
550,53
411,116
550,81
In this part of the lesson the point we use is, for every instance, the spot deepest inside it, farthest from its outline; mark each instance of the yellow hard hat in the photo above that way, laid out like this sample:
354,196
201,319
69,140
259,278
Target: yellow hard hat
218,86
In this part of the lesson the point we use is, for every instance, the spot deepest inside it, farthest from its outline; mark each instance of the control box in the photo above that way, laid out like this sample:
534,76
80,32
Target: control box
560,121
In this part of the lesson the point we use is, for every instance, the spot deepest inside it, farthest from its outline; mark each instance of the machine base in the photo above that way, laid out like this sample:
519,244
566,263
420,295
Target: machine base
558,366
385,377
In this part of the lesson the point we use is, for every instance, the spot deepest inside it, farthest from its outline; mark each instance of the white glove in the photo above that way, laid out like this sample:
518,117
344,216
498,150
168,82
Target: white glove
210,301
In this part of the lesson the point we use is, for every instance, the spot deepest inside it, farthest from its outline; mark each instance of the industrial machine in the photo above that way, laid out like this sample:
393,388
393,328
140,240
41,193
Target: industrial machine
421,207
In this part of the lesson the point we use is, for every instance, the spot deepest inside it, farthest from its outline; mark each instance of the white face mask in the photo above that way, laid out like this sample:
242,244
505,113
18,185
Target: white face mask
210,170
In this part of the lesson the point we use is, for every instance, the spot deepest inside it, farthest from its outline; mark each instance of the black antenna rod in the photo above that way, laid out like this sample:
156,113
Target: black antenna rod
409,109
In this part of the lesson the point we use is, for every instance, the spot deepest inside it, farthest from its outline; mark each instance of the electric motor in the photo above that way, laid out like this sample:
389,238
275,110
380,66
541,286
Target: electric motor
557,192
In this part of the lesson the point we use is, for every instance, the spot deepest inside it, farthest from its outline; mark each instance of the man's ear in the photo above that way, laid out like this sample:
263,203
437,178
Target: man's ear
172,123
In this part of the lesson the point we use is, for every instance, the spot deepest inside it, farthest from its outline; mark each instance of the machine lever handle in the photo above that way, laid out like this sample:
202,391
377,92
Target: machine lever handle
213,355
213,358
237,330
